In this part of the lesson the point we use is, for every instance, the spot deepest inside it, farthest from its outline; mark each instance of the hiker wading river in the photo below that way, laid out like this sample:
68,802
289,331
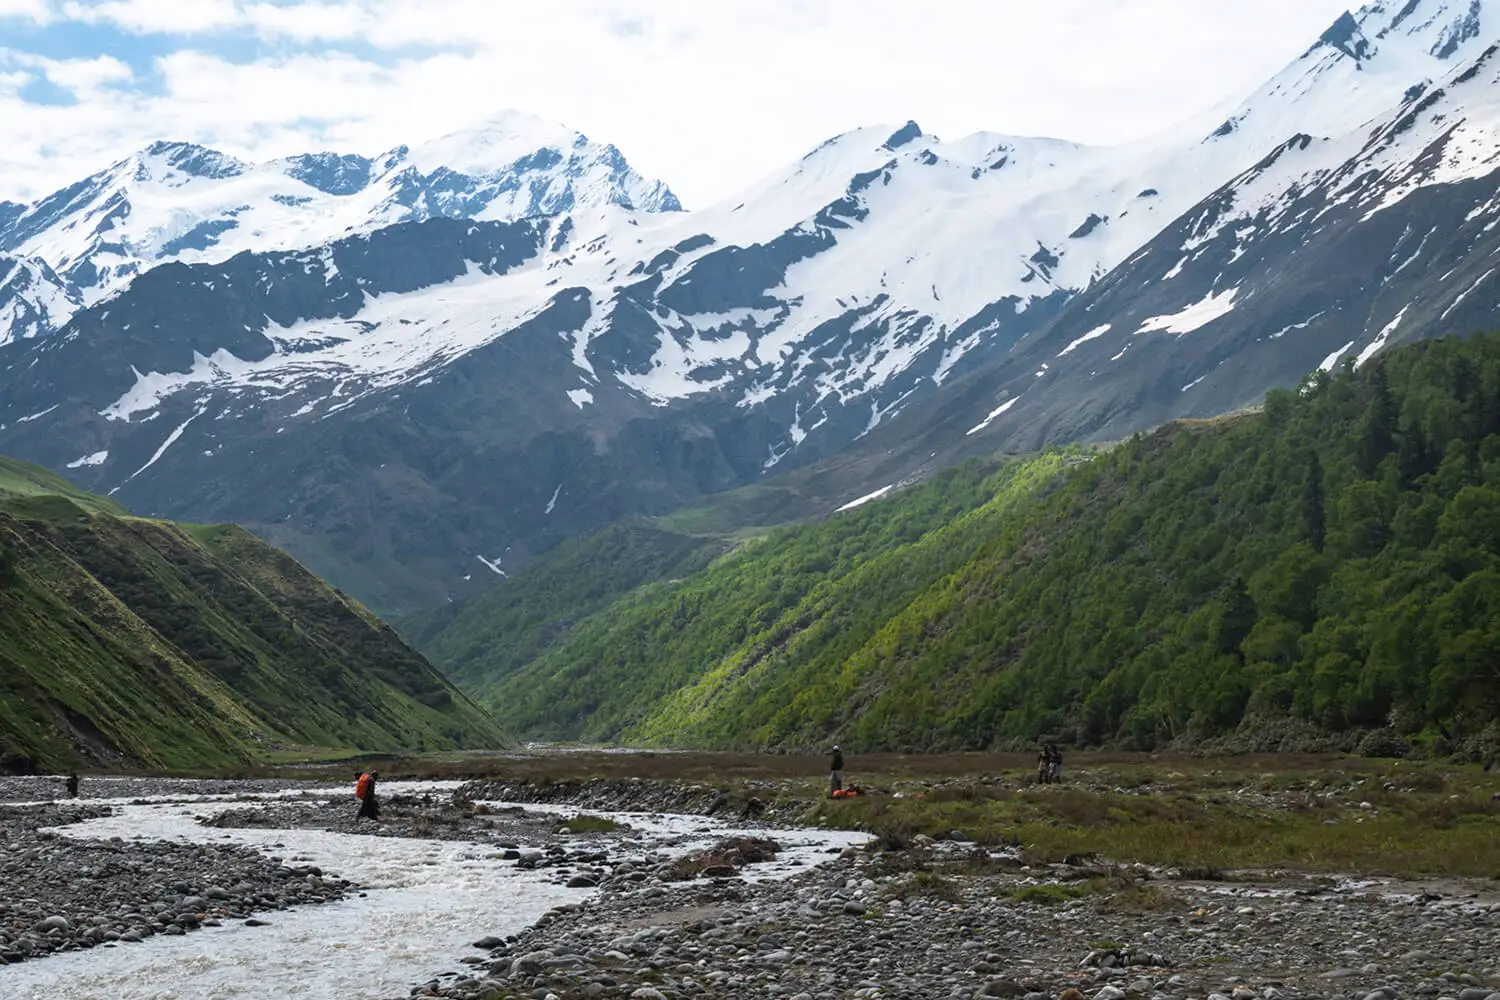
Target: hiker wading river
364,790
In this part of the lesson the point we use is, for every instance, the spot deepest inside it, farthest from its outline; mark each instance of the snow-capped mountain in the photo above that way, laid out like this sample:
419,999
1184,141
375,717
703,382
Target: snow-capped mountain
408,405
1327,250
33,299
176,201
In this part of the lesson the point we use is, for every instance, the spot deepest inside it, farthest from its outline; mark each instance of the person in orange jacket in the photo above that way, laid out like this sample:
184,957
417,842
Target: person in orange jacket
364,790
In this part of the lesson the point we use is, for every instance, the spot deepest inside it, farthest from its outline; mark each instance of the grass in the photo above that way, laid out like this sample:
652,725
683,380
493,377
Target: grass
1047,894
586,824
1407,820
127,642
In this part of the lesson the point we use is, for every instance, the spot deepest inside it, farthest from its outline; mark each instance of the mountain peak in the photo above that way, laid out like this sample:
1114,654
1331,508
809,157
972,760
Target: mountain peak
1439,28
1346,36
495,144
910,132
160,159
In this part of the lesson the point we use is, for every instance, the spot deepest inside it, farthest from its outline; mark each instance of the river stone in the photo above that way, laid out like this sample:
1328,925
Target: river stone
530,963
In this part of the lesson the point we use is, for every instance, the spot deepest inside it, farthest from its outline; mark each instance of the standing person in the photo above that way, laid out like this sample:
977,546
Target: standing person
836,770
1054,767
364,790
72,786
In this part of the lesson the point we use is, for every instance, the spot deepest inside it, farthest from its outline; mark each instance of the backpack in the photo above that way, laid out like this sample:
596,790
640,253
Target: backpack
362,785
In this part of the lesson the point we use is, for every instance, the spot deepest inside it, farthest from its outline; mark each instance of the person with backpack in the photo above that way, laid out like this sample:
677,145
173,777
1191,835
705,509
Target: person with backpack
364,790
72,784
836,771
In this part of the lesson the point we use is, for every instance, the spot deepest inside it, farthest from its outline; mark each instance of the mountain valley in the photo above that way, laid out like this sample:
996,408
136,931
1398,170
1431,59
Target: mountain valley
446,382
421,371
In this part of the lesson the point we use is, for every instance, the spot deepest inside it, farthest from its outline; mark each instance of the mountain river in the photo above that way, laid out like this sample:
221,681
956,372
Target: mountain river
423,903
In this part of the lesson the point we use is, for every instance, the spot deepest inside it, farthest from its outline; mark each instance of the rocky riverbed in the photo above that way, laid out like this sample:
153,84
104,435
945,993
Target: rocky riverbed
60,894
949,920
655,906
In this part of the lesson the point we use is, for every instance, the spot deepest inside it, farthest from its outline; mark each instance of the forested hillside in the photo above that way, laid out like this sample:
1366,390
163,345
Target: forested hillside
1333,560
483,640
126,641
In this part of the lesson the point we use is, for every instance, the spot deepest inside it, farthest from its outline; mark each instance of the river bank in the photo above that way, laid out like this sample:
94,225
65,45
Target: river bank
926,917
414,904
626,886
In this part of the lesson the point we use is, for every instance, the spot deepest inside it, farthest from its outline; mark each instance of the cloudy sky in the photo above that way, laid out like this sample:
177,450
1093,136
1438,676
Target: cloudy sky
706,94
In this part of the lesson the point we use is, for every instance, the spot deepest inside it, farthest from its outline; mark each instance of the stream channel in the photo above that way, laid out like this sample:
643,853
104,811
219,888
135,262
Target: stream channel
422,903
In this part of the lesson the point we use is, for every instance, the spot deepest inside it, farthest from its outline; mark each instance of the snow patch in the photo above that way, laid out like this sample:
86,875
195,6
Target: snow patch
1193,317
1093,334
580,397
1465,294
552,504
1295,326
866,499
993,415
38,416
169,442
97,458
493,567
1330,362
1380,339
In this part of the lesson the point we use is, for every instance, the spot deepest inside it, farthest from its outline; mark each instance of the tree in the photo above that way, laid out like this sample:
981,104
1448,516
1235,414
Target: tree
1377,430
1236,620
1314,518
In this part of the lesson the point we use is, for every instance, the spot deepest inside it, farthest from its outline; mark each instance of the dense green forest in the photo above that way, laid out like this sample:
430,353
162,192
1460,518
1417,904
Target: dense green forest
1333,560
127,641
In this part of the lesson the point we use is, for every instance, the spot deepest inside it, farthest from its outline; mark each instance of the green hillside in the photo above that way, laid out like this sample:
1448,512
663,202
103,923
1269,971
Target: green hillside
126,641
1333,560
484,640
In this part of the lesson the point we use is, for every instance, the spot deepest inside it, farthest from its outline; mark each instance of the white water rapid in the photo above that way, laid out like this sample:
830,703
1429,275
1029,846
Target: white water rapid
424,902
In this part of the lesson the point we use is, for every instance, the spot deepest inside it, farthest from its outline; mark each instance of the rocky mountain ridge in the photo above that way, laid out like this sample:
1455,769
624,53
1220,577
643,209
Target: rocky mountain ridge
444,398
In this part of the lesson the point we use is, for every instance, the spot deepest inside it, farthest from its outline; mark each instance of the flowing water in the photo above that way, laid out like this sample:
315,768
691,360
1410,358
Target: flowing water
424,902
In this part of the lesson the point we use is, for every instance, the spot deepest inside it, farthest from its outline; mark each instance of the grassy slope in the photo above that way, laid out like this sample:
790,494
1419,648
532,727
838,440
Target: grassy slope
483,641
1333,562
129,641
684,644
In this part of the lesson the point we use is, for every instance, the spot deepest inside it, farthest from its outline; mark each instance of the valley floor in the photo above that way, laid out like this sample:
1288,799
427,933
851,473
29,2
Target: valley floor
1138,878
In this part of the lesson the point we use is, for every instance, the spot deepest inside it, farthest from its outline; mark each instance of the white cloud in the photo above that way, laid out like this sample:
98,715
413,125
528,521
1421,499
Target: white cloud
159,16
39,11
84,77
708,96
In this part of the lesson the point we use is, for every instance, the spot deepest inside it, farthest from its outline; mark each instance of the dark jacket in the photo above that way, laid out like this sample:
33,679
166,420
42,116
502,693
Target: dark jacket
838,761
